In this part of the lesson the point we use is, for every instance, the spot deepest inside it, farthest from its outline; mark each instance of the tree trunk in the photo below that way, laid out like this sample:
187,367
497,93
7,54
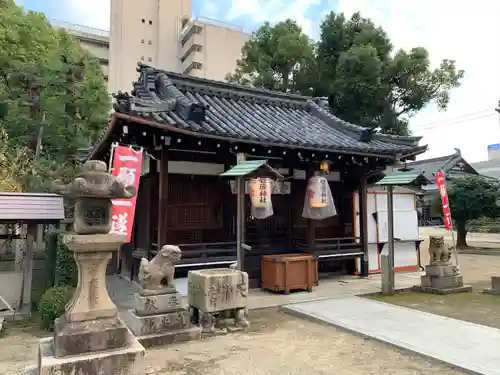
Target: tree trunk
461,236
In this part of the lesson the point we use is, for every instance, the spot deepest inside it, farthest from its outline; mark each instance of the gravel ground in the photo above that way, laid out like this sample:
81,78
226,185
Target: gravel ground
277,343
285,345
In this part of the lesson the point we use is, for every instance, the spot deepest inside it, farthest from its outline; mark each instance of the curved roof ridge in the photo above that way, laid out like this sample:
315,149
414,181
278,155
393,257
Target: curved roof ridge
357,129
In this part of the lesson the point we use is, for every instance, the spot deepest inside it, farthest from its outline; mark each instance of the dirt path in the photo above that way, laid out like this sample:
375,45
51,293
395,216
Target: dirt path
18,347
276,344
282,344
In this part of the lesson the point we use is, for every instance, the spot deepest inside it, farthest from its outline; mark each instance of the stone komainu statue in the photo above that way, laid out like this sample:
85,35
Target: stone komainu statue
438,252
158,273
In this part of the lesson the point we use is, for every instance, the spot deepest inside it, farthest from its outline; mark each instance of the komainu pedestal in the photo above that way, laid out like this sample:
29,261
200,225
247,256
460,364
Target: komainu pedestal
495,286
441,276
218,298
90,338
159,317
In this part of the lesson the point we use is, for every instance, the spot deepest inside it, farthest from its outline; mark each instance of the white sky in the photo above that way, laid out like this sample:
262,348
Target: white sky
468,32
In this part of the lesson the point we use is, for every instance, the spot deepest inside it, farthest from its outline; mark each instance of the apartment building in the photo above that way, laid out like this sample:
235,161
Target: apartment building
96,41
161,33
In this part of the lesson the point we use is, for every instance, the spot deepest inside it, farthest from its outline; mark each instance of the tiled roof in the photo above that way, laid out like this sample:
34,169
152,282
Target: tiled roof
404,178
445,163
237,112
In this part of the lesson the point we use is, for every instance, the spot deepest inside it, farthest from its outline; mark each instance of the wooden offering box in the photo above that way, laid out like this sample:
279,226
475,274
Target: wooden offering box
286,272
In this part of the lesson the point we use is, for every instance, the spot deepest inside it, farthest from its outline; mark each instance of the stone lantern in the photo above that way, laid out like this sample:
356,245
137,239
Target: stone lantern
90,337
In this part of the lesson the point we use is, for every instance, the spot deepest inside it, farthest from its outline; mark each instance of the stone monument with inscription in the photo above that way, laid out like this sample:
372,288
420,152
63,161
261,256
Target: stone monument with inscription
90,338
218,298
441,276
159,316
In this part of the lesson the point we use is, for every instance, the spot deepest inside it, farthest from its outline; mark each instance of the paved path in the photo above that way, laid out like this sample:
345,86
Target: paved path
469,346
122,291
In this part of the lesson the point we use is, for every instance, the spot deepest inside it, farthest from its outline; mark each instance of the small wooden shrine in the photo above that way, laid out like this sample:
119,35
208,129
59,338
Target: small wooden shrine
192,131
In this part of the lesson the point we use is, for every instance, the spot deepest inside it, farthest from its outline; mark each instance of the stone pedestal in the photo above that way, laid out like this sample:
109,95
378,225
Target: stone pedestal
90,338
218,297
495,286
161,319
443,279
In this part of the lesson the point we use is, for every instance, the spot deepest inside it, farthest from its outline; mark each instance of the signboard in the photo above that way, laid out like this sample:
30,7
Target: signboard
441,185
126,166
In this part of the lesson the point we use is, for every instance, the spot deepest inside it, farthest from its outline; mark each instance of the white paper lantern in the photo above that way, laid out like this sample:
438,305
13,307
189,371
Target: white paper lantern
317,192
260,190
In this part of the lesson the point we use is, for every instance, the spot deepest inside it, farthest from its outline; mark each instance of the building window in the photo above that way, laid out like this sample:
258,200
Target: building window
150,22
150,42
142,41
143,20
150,59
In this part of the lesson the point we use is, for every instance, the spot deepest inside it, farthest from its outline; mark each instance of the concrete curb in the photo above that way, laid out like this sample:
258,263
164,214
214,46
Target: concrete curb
315,319
480,252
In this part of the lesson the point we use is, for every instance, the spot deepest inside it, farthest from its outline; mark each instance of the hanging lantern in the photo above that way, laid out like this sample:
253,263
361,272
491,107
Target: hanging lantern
260,190
317,192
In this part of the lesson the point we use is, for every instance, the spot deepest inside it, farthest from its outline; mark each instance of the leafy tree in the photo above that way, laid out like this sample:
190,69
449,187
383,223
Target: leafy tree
470,198
54,90
354,65
274,57
13,163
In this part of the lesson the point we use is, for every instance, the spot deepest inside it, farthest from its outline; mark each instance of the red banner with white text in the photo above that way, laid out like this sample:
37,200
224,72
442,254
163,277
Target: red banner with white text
441,185
126,166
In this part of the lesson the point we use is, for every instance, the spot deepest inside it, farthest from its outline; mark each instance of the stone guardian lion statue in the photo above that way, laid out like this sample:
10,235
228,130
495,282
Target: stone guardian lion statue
157,276
438,252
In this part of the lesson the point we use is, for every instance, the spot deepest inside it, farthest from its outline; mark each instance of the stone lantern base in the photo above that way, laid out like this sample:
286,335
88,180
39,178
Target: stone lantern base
127,360
90,338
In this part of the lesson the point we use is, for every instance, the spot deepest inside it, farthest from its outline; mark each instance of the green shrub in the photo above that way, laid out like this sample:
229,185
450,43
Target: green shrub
61,266
52,304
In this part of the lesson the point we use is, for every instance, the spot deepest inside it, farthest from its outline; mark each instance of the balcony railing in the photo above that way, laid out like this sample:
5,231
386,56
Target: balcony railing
190,45
193,60
209,21
80,28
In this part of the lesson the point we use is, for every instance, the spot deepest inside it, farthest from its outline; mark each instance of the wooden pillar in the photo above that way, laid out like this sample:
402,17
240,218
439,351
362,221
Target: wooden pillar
163,198
154,169
240,216
311,224
363,224
291,211
389,288
152,200
31,234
